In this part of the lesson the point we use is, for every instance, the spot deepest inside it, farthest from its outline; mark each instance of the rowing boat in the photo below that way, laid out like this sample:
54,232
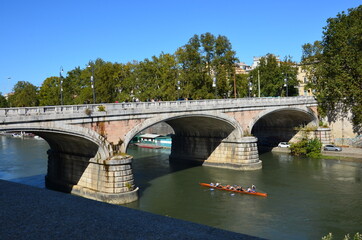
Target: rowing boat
232,190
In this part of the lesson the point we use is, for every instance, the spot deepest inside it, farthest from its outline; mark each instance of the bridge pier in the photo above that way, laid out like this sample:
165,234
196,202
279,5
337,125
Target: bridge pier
108,181
241,154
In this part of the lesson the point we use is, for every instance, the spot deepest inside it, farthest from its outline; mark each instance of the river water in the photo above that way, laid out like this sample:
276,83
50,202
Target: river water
307,198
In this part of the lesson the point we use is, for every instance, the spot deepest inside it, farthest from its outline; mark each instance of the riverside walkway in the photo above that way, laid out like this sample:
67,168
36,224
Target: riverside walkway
32,213
347,153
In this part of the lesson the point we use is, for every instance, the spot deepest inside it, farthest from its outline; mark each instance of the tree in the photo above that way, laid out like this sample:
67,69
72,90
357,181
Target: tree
49,93
224,65
276,78
3,101
25,95
126,80
206,62
73,83
106,82
337,67
242,85
192,76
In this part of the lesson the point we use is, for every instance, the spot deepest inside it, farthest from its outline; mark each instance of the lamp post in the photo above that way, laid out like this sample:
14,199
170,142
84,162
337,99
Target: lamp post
250,85
286,84
93,84
258,83
250,88
214,86
178,89
61,85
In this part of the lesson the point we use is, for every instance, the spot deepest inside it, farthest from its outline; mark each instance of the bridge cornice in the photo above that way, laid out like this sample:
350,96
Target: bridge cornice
84,113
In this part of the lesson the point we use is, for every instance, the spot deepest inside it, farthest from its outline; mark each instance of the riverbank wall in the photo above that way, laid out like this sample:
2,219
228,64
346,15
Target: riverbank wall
347,152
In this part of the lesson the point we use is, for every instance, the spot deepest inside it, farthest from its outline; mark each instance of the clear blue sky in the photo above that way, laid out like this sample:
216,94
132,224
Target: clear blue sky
39,36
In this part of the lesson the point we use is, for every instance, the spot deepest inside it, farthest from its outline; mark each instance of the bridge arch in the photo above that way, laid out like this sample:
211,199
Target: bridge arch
68,139
276,125
82,162
190,124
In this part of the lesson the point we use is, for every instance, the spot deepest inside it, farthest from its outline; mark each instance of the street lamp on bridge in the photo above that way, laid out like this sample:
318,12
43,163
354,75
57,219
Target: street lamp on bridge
286,84
61,85
93,83
214,81
250,85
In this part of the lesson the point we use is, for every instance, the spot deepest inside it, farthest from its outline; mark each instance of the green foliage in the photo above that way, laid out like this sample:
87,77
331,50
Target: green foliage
203,61
307,147
328,237
3,101
323,124
203,68
305,128
357,236
129,186
335,66
101,108
25,95
274,77
242,85
88,111
314,147
49,93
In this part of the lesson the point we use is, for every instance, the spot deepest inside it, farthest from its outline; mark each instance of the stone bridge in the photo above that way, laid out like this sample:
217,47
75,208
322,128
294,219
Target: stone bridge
88,142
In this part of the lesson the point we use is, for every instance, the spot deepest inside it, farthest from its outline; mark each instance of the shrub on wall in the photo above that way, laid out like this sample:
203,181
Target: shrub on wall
101,108
307,147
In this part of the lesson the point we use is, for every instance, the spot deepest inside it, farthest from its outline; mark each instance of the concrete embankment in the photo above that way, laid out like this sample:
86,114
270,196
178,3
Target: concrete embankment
32,213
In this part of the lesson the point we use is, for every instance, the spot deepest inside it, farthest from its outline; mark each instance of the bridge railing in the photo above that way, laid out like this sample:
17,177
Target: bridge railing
132,107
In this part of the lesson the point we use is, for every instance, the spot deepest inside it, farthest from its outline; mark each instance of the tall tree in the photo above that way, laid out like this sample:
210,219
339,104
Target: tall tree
3,101
193,81
337,67
126,80
73,85
224,65
106,82
274,77
25,95
206,67
49,93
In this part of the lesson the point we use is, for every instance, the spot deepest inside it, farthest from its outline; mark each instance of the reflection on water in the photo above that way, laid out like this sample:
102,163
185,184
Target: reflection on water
306,198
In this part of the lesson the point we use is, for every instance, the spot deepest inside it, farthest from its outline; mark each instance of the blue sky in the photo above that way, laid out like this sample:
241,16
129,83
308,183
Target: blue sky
39,36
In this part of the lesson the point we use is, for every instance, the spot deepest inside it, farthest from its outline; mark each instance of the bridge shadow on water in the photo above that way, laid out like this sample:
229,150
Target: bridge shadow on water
151,164
265,149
